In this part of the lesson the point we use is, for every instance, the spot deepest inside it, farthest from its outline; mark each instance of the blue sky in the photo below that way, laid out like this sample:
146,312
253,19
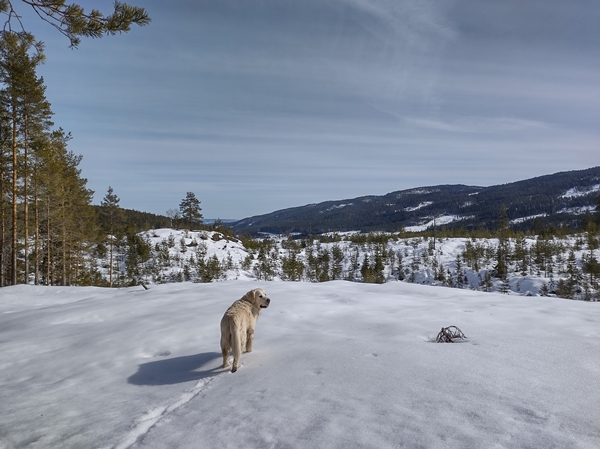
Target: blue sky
266,104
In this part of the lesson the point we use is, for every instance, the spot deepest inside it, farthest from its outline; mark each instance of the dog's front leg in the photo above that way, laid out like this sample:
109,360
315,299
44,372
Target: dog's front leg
249,337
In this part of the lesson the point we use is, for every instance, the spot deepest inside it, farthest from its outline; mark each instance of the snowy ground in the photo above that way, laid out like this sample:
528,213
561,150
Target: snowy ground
336,365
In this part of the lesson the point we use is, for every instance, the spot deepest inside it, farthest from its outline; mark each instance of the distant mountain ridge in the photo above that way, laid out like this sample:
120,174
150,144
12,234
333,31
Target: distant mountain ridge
560,198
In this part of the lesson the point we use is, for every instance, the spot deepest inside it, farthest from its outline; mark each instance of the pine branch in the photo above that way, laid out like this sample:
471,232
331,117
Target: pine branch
72,21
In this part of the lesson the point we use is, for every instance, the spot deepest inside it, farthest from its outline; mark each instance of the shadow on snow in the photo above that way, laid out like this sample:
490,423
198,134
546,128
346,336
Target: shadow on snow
176,370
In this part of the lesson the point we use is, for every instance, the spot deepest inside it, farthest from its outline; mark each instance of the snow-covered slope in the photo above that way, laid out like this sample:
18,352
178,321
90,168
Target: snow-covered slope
336,365
204,256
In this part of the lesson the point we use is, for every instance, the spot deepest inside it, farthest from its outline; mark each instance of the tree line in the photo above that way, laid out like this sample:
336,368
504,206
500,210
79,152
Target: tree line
48,227
49,231
45,213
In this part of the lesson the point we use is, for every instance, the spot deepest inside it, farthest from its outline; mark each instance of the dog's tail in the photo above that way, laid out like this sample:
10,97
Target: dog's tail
236,349
225,335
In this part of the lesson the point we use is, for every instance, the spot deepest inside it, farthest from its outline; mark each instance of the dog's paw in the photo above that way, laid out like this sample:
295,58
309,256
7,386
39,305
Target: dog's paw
233,369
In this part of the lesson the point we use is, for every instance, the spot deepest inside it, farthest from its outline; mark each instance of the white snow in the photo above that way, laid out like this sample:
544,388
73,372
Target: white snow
576,192
420,206
578,210
338,206
335,365
524,219
439,221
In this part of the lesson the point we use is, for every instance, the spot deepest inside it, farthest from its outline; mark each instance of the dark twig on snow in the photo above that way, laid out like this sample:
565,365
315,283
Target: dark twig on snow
449,334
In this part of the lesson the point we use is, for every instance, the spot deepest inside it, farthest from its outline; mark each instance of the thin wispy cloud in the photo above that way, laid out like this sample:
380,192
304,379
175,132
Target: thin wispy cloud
479,124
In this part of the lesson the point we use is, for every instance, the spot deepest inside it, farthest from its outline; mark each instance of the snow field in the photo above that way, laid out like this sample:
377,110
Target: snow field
335,364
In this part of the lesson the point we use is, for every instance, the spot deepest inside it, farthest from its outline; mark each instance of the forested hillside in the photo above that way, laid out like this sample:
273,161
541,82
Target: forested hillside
561,199
510,263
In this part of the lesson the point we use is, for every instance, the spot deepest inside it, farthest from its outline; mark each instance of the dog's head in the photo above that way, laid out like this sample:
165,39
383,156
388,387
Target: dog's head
258,298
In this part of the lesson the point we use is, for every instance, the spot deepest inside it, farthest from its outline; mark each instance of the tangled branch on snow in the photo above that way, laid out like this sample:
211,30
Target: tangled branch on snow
449,334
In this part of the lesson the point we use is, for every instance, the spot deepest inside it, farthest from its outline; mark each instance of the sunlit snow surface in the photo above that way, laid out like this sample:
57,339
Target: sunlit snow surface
335,365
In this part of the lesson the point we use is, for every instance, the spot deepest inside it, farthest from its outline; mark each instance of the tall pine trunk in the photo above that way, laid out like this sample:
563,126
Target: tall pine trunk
36,247
15,149
48,248
64,245
2,225
25,200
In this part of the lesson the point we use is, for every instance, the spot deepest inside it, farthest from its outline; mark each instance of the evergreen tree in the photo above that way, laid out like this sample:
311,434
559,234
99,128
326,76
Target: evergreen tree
502,253
487,283
291,267
400,262
67,218
5,147
73,21
190,210
459,278
544,290
337,262
573,272
378,267
112,211
35,121
365,270
591,266
20,54
521,255
564,290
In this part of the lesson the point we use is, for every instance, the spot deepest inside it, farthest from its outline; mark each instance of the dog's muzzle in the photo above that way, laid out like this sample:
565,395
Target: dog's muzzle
267,305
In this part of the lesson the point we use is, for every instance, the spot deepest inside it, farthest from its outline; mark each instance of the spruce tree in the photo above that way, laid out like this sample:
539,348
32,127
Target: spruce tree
337,263
502,253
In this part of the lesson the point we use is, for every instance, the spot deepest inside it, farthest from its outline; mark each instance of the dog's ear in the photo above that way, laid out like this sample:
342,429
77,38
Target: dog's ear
256,294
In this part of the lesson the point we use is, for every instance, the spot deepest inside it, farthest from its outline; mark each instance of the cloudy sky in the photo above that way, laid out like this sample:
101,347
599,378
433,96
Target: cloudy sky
259,105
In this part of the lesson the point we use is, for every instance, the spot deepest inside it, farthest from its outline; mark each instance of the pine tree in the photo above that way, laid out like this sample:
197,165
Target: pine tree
190,210
20,54
5,147
113,213
73,21
35,121
65,212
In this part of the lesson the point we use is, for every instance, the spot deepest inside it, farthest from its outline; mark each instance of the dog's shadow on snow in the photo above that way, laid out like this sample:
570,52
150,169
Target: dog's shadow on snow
176,370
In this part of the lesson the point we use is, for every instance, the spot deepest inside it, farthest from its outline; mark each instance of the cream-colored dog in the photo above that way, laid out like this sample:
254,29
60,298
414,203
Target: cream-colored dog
237,325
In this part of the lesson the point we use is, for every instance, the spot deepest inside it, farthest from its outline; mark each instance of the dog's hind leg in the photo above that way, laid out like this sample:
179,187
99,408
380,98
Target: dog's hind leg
236,348
225,346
